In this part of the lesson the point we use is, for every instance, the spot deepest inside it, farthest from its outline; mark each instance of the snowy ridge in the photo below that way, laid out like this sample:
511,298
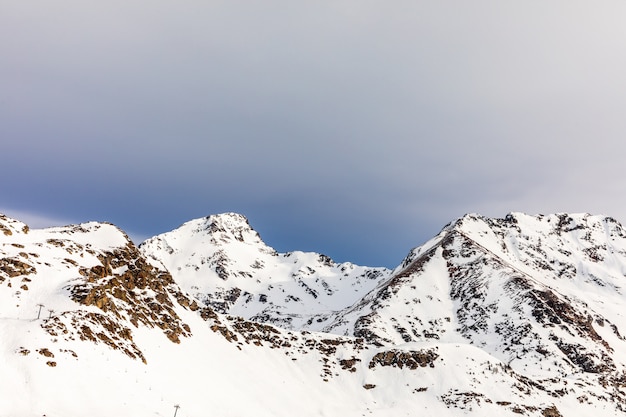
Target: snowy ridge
492,317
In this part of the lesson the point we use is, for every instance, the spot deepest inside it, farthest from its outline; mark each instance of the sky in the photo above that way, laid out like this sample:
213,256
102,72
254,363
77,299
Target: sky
357,129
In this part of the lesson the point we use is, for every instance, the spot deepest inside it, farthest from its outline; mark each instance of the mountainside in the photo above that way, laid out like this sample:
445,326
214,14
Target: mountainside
515,316
542,294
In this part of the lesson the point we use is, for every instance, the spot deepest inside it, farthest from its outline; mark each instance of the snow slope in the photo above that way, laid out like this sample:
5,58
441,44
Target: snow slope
492,317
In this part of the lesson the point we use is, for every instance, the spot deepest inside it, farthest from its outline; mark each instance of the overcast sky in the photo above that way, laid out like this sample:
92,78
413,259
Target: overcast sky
353,128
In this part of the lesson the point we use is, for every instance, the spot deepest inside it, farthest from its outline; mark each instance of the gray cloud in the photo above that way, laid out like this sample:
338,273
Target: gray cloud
353,128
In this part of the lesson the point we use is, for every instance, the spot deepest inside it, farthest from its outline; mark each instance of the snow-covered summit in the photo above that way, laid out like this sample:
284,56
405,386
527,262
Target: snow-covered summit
224,263
221,229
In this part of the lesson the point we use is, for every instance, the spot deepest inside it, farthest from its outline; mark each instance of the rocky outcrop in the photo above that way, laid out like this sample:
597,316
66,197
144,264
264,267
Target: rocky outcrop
14,267
127,286
411,359
96,328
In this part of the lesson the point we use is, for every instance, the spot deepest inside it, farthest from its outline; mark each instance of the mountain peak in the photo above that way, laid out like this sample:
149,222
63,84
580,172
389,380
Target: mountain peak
221,229
228,220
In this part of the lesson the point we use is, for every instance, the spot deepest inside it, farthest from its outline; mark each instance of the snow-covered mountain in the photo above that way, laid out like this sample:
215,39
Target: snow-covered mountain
224,264
515,316
543,294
